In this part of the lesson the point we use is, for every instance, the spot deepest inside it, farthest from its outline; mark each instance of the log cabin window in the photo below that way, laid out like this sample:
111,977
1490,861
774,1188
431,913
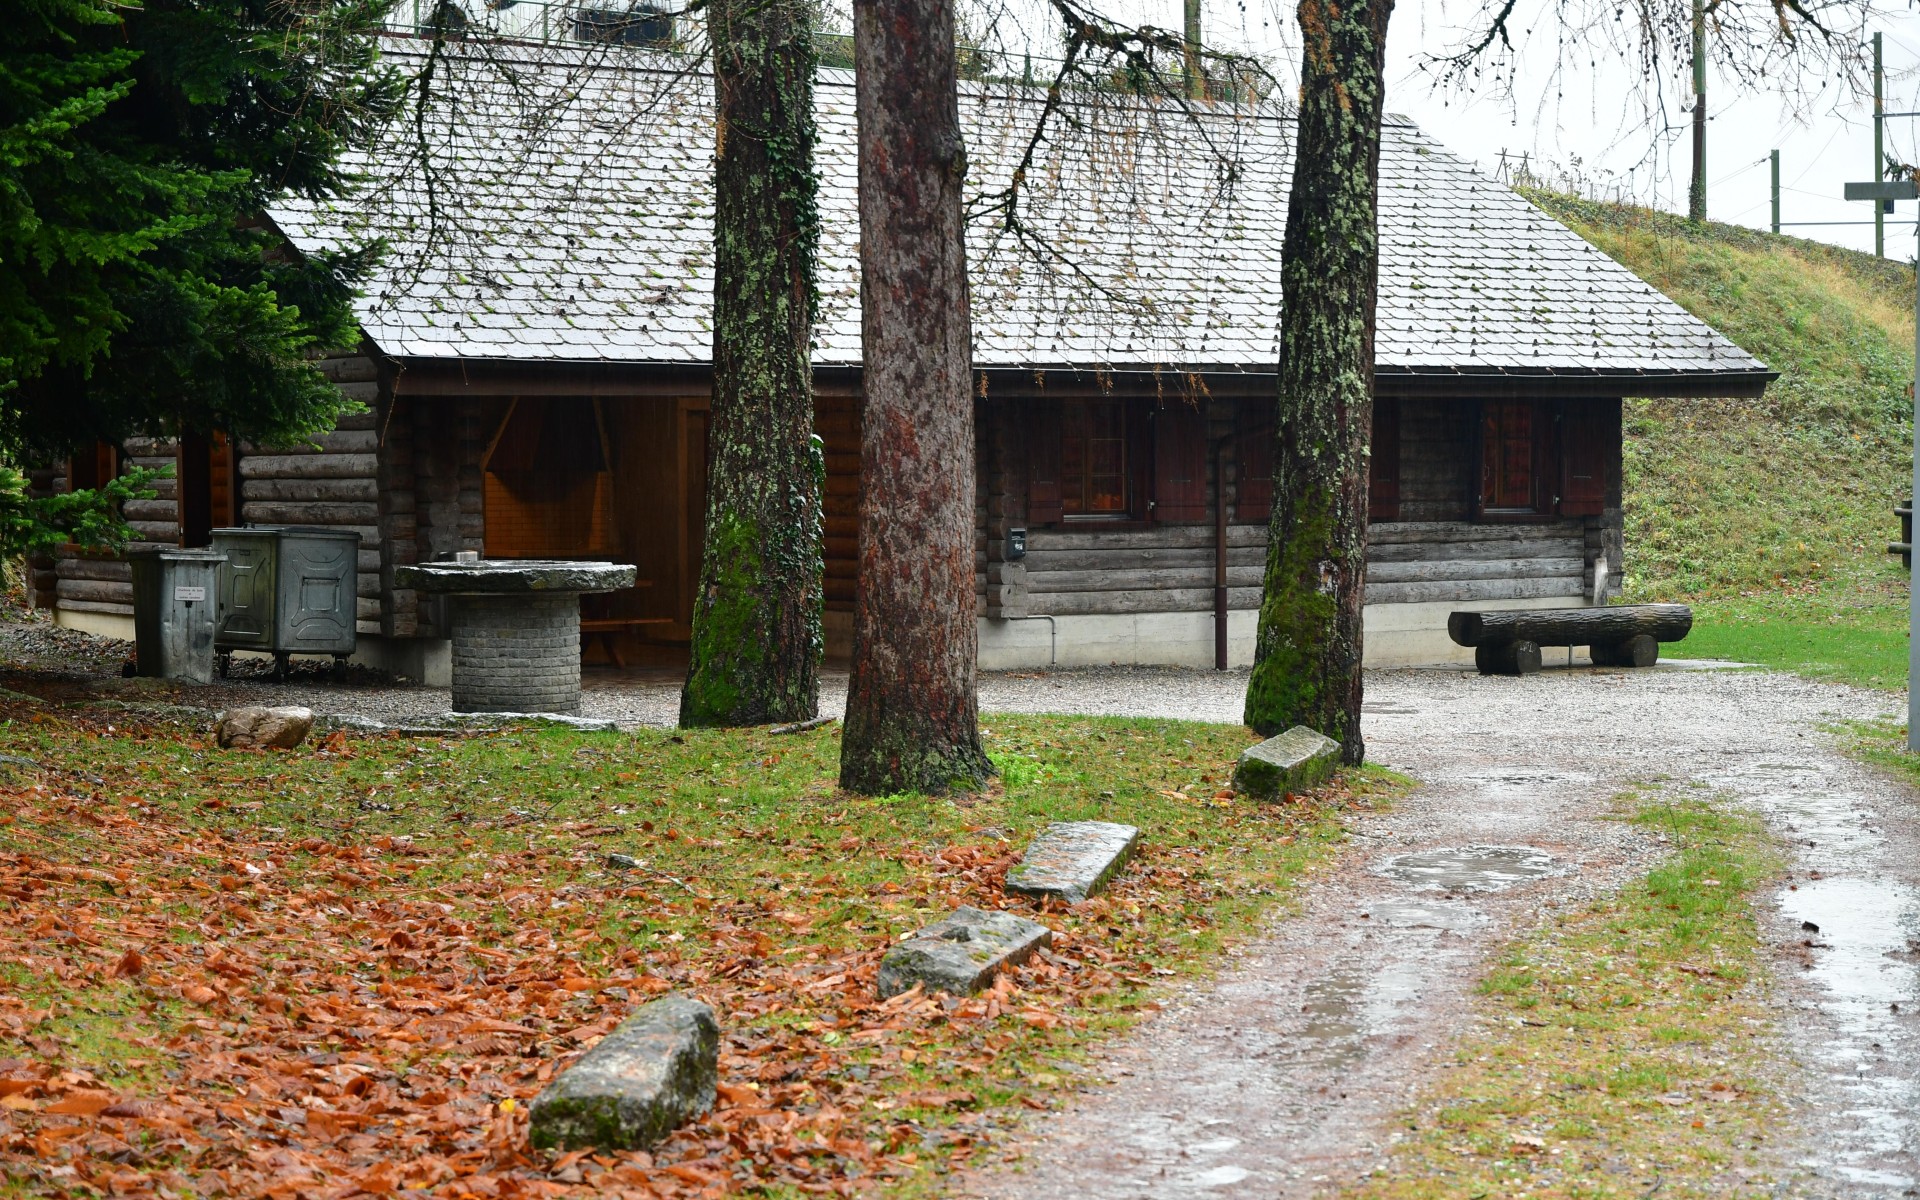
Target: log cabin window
1094,467
204,481
1513,439
92,467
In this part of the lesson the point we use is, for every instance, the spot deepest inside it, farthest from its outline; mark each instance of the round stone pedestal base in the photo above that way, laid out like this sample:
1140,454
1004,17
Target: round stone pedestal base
516,653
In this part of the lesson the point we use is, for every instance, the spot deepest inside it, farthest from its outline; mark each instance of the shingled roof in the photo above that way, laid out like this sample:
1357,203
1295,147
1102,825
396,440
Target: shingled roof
563,212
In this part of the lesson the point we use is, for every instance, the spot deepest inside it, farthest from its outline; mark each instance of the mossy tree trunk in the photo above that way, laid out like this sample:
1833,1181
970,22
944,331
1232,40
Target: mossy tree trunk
912,721
1307,657
756,616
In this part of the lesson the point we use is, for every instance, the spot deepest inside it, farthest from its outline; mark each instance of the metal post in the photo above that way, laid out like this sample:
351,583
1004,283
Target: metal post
1697,193
1196,82
1913,593
1879,149
1776,191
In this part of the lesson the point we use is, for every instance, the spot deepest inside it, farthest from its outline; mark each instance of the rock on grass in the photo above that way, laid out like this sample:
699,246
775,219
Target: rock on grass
253,727
1292,762
648,1077
1072,860
960,954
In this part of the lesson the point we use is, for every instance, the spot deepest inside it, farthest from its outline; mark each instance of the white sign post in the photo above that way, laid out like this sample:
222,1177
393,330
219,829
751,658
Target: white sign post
1906,189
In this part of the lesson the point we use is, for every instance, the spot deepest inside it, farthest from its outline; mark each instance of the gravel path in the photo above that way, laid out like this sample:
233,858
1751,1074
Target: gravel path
1281,1077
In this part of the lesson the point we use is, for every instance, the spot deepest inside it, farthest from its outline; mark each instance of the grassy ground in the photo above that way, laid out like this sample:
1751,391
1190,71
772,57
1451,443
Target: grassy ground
351,965
1835,638
1620,1057
1773,515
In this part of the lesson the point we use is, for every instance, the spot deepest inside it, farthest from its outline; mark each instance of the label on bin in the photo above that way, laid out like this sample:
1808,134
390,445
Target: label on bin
189,593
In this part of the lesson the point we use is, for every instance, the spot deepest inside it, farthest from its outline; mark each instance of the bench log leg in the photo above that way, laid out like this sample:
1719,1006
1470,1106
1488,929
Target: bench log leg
1519,657
1640,650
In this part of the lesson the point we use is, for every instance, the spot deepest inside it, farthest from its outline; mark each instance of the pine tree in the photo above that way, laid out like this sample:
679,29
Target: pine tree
141,288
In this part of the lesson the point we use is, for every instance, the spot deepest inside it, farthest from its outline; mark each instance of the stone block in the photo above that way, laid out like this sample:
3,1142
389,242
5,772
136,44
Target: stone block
1072,860
648,1077
962,953
252,727
1292,762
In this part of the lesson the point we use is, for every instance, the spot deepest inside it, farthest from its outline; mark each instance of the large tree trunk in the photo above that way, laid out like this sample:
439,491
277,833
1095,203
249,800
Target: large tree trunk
912,722
756,616
1307,658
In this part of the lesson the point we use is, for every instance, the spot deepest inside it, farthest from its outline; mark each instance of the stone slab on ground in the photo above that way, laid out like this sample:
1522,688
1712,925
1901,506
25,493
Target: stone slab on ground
1072,860
962,953
1291,762
648,1077
251,727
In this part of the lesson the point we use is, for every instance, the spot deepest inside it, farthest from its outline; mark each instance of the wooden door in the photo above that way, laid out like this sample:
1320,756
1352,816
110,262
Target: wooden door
1510,435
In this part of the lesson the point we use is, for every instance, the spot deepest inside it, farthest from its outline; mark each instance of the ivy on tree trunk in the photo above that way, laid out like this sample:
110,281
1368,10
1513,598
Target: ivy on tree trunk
756,616
912,721
1307,657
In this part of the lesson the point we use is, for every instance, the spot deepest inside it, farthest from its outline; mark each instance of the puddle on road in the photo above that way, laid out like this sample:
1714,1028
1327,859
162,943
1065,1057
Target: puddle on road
1471,868
1344,1009
1866,959
1413,914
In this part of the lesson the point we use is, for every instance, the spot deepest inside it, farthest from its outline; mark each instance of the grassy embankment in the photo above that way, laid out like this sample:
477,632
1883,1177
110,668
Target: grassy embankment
351,965
1619,1059
1772,516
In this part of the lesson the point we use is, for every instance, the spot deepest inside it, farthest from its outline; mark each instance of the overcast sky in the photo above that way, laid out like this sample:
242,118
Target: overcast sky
1592,114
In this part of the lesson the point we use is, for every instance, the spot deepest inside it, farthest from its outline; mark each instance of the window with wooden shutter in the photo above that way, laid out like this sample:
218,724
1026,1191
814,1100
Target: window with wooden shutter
1253,460
1044,505
1587,433
1095,462
1179,463
1383,481
1512,436
92,467
204,482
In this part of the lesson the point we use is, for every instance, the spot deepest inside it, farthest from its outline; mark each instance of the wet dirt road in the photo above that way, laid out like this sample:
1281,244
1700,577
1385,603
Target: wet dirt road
1282,1076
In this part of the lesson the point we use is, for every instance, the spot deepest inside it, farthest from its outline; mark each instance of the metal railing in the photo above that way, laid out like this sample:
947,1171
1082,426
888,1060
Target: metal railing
620,22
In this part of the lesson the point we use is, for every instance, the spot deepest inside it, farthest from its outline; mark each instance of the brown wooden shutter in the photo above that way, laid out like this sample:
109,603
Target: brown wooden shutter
1043,462
1253,460
1383,483
1586,433
1179,463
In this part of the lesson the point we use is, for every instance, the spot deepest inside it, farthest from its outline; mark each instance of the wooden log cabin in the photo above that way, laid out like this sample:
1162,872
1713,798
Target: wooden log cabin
534,372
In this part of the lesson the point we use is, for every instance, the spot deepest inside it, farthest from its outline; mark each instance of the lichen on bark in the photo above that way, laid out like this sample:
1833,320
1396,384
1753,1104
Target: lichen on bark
756,643
1308,652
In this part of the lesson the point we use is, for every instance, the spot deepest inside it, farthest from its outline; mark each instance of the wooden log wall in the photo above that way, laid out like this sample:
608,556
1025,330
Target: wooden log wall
1436,460
1413,562
332,481
43,570
836,418
86,581
1079,568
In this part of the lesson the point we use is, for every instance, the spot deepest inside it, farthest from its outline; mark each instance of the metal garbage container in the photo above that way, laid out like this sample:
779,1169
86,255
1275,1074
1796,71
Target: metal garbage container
286,590
174,598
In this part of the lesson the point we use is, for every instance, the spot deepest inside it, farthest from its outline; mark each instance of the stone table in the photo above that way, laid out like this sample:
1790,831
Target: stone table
515,625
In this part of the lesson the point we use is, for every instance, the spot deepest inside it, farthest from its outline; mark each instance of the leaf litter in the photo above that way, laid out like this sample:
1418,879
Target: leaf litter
195,1001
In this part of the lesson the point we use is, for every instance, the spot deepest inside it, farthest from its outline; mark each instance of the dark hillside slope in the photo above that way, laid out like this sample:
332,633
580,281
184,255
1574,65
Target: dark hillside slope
1792,493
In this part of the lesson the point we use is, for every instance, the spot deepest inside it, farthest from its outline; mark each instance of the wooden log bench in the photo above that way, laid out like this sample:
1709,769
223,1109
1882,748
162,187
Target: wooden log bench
1508,642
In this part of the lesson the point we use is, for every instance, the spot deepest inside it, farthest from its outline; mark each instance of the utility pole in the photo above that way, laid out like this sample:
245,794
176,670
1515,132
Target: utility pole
1697,194
1879,150
1776,191
1196,82
1883,194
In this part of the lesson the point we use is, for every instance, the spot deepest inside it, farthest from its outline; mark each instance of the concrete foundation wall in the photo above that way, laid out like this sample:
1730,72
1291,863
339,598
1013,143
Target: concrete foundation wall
111,625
